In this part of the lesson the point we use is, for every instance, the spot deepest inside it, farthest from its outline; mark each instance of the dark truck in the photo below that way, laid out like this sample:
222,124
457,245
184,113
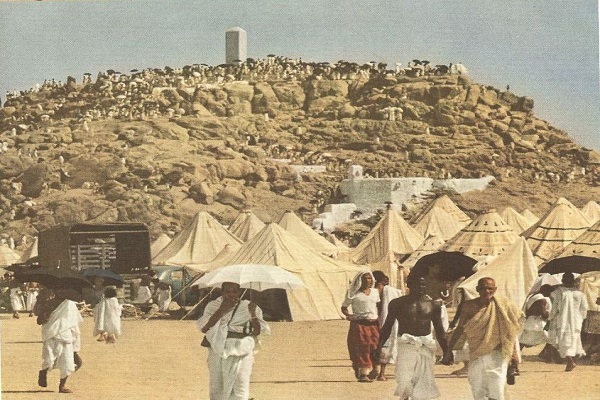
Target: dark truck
123,248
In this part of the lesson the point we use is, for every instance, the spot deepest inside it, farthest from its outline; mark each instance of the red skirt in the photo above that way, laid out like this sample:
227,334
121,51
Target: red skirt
363,337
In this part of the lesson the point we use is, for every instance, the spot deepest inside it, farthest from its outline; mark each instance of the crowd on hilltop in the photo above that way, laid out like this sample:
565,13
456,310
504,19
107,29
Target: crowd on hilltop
134,95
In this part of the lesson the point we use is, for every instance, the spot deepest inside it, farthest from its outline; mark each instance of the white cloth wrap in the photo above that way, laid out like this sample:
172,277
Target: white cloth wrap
414,368
61,338
230,359
569,309
487,376
390,347
16,299
107,316
164,299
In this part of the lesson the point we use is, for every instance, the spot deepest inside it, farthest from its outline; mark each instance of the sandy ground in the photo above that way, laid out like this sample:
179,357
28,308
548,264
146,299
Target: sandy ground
163,359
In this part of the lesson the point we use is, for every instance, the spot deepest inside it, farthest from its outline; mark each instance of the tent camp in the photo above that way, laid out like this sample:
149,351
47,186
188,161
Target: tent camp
326,279
488,235
246,225
429,246
31,252
514,271
290,222
562,224
516,221
439,222
198,243
387,244
592,211
160,243
444,202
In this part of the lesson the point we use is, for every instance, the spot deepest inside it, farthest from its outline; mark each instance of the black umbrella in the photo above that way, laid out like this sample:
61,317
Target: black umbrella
54,278
110,278
575,264
444,266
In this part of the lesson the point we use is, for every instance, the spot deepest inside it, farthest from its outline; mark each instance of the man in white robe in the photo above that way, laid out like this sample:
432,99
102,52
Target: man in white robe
491,326
60,337
537,309
107,317
231,326
569,309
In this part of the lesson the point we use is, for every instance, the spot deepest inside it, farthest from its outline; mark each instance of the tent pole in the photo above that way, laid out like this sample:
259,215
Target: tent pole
197,304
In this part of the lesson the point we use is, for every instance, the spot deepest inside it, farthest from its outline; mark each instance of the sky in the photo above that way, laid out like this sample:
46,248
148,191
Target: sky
547,50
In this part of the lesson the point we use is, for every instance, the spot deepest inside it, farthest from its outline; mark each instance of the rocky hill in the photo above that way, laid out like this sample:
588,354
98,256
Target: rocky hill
158,145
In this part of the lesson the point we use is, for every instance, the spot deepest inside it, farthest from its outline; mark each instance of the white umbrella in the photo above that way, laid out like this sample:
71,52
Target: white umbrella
251,276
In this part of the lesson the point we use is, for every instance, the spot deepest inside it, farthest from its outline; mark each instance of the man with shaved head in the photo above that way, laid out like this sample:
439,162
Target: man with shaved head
491,326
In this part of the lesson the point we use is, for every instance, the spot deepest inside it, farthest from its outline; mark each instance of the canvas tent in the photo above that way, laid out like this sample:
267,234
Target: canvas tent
246,225
8,256
530,216
445,203
514,271
304,233
429,246
326,279
198,243
584,249
439,222
160,243
31,252
562,224
516,221
488,235
592,211
388,243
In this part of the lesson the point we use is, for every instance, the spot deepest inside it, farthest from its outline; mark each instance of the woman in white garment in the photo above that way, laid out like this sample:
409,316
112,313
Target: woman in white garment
363,333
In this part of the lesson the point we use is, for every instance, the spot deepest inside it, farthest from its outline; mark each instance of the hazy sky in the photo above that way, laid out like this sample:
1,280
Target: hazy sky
544,49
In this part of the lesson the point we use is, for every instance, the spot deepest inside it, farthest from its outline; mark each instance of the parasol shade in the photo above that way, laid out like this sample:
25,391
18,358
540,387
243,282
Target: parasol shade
251,276
575,264
54,278
110,277
444,266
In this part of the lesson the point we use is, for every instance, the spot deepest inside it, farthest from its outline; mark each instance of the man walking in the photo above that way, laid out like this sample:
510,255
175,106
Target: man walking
569,309
415,313
231,325
491,326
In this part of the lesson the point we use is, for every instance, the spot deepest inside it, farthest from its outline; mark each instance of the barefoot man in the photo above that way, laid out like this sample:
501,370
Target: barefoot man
491,326
416,346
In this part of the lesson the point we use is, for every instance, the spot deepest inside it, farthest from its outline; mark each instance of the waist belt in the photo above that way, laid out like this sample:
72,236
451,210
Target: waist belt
236,335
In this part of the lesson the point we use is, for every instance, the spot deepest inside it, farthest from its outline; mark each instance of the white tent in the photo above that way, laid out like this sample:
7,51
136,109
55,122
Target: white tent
445,203
326,279
439,222
198,243
246,225
391,240
530,216
429,246
488,235
30,252
592,211
516,221
562,224
8,256
305,234
160,243
514,271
